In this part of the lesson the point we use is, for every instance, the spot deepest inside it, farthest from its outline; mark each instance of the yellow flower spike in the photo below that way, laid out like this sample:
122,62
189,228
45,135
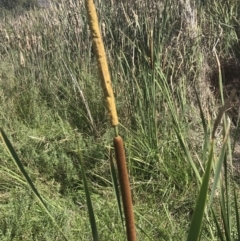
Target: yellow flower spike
102,62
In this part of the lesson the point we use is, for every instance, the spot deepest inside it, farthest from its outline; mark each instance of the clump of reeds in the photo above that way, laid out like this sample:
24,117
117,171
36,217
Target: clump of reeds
26,45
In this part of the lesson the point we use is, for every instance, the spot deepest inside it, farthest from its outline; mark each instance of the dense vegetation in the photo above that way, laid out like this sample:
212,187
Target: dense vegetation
162,55
18,4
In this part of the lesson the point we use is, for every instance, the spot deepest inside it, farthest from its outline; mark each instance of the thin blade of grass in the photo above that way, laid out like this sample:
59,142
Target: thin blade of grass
237,213
219,165
225,220
75,83
224,202
196,223
19,164
220,234
224,217
13,175
206,139
115,186
187,153
89,202
146,220
228,201
17,161
165,89
222,110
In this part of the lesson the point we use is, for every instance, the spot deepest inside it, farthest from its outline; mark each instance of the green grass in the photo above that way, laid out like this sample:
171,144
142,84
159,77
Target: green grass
51,104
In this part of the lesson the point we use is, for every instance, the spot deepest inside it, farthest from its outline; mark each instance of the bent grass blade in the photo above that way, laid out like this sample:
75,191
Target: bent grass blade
18,162
89,202
196,223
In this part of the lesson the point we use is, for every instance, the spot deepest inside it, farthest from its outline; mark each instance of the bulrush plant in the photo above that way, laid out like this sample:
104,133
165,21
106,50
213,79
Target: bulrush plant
110,102
54,46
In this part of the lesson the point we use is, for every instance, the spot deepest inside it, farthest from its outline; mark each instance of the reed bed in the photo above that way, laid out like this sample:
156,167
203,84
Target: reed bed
162,59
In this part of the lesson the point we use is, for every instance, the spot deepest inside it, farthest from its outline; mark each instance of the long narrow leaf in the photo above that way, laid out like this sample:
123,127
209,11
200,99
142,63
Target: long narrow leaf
237,213
225,222
228,202
187,154
89,202
115,186
196,223
14,156
206,139
18,162
220,234
219,166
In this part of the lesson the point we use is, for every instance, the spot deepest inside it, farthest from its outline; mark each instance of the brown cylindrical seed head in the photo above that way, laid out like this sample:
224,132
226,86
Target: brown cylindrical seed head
125,188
